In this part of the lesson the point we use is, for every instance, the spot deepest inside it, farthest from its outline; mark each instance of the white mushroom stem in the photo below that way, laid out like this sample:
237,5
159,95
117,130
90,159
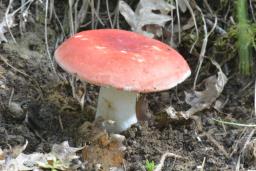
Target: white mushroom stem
117,106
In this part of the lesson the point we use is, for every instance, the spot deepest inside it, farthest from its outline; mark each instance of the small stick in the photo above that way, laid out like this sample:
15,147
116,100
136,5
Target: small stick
46,39
11,97
60,122
204,44
194,19
164,156
218,145
39,90
109,16
203,164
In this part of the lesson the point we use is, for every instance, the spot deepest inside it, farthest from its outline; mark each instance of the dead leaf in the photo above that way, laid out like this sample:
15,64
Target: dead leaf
14,160
218,105
17,150
64,152
106,151
29,161
128,14
188,25
163,6
144,16
200,100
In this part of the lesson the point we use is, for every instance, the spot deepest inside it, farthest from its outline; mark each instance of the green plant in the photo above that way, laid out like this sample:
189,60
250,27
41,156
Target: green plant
243,35
150,166
245,38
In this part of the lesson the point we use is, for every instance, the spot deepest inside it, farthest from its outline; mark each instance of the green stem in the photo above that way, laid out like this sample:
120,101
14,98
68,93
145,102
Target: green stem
244,38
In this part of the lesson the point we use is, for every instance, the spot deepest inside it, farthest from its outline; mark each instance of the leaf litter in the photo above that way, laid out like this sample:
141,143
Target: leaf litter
200,100
145,16
195,96
103,151
6,23
60,157
9,20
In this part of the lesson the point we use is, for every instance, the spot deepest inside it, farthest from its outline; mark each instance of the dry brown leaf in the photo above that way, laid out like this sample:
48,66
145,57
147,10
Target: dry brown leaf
64,152
200,100
105,151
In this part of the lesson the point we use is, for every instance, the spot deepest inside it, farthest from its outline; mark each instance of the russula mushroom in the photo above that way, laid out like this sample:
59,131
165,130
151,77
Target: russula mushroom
124,64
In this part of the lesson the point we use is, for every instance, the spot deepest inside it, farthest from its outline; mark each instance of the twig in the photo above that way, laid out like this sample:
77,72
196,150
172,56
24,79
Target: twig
124,165
203,164
76,22
60,122
11,97
252,11
15,69
6,19
238,163
248,139
178,19
82,100
97,12
82,14
217,144
116,17
235,124
203,48
70,14
172,25
237,143
24,13
227,11
218,29
108,12
194,19
72,82
26,75
208,6
163,157
92,14
8,16
51,8
46,38
95,15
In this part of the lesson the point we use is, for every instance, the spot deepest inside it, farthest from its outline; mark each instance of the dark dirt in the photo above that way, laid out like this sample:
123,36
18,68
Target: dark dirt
38,106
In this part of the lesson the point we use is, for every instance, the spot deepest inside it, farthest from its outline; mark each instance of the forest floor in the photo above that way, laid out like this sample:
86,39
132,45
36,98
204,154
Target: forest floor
38,106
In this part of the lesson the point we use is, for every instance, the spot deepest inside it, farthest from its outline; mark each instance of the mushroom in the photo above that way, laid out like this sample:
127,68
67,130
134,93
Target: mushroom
124,64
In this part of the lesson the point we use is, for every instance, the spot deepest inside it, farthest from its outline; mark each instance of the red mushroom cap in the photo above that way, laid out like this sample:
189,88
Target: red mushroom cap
122,59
